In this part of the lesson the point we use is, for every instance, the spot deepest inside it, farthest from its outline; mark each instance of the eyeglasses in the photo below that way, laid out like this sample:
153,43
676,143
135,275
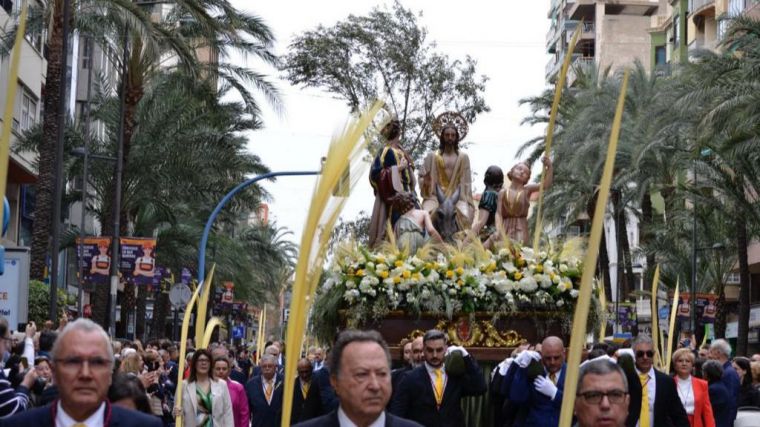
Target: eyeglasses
648,353
203,361
74,364
595,397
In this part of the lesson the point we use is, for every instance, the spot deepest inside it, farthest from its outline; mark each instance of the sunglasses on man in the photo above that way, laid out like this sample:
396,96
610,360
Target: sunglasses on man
640,354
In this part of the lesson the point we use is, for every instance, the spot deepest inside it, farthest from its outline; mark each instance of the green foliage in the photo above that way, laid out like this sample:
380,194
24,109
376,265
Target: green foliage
385,55
39,302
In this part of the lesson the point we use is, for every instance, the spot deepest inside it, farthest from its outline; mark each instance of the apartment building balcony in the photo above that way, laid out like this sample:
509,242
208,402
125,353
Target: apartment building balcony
586,9
587,33
551,38
552,69
701,7
578,62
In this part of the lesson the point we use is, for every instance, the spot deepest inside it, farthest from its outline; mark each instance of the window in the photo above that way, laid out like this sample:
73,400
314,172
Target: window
86,52
28,111
676,30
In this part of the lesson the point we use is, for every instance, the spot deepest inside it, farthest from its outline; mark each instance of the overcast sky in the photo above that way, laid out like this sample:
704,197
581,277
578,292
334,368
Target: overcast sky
506,38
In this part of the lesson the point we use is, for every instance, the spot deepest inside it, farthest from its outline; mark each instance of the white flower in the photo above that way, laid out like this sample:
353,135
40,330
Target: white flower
503,252
560,303
370,265
381,267
452,291
563,268
410,298
509,267
416,261
388,282
574,293
433,277
425,294
350,284
527,284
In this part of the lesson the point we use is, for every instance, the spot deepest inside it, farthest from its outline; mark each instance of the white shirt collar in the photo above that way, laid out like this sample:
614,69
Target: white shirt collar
431,370
344,421
650,374
62,419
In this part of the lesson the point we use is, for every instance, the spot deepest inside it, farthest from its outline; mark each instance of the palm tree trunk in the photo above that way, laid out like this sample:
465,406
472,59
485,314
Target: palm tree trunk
720,309
160,313
741,247
647,221
604,266
142,297
44,188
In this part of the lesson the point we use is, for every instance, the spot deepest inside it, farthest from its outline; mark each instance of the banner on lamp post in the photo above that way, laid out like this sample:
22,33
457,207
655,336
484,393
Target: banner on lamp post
138,262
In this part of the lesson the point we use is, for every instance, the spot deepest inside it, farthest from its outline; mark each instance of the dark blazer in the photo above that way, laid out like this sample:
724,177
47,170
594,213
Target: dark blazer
668,409
306,409
116,416
331,420
321,379
238,376
721,401
264,414
732,382
542,411
415,399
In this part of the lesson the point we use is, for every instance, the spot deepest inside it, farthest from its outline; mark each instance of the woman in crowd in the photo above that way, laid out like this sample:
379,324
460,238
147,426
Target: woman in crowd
692,391
43,391
205,401
719,397
748,394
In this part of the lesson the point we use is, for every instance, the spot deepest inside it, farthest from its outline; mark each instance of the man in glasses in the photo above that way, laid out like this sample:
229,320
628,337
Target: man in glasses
654,400
602,399
82,367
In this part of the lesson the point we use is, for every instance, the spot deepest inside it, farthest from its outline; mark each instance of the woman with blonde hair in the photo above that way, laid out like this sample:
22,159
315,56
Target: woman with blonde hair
692,391
132,363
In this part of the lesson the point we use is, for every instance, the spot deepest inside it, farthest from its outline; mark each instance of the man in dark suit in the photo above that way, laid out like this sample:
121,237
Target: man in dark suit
82,364
431,394
361,374
265,394
540,393
662,406
306,400
321,380
720,350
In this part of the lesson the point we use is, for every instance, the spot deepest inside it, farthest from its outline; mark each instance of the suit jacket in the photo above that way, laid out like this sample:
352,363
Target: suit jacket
263,413
306,409
731,380
415,399
221,403
116,416
703,413
331,420
542,411
720,398
239,399
321,379
668,409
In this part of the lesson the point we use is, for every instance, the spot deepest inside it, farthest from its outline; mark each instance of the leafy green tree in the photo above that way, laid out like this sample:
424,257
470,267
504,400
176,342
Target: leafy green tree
385,55
39,302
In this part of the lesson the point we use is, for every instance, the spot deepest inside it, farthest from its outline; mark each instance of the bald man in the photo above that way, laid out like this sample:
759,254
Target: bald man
542,395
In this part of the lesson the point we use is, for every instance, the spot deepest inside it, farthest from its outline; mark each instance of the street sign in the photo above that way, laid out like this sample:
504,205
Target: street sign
179,295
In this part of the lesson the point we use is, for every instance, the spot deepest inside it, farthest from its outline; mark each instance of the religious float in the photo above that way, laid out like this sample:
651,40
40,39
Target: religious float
486,301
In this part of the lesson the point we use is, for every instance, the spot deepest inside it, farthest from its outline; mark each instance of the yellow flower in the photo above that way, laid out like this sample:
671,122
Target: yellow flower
360,272
407,274
398,263
449,274
428,265
384,274
491,267
350,271
416,276
460,271
539,268
520,262
397,280
518,275
380,258
460,282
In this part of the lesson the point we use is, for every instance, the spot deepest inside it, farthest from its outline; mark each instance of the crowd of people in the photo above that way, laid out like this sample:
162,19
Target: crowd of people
76,376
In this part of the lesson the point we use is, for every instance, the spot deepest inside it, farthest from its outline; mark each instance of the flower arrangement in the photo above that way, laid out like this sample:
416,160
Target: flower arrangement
368,285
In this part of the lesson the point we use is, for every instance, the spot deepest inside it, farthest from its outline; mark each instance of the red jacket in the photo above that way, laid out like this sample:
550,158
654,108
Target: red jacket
703,413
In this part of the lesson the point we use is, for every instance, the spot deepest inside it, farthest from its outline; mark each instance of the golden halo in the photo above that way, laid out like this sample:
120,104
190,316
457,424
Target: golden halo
450,118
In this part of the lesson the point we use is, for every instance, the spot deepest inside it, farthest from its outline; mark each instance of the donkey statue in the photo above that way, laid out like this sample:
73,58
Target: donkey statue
445,215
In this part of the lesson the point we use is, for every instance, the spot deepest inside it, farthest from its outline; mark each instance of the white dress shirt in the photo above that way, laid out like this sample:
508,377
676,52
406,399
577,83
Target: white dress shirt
686,393
651,389
344,421
62,419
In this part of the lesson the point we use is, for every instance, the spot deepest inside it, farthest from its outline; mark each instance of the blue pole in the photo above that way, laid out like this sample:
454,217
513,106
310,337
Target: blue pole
220,206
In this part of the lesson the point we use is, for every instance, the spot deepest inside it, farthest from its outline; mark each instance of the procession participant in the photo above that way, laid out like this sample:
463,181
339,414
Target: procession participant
432,396
486,220
319,356
413,224
692,391
655,403
361,365
541,394
392,172
265,394
82,364
448,168
720,397
513,203
720,350
240,412
418,355
307,403
602,397
505,412
406,363
321,380
206,401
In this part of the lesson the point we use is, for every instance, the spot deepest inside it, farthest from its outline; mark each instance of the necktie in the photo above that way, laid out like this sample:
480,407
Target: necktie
438,387
268,391
553,378
79,425
305,389
644,415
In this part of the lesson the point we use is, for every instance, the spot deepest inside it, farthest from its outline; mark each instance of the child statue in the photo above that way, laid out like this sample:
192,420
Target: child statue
485,225
411,226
